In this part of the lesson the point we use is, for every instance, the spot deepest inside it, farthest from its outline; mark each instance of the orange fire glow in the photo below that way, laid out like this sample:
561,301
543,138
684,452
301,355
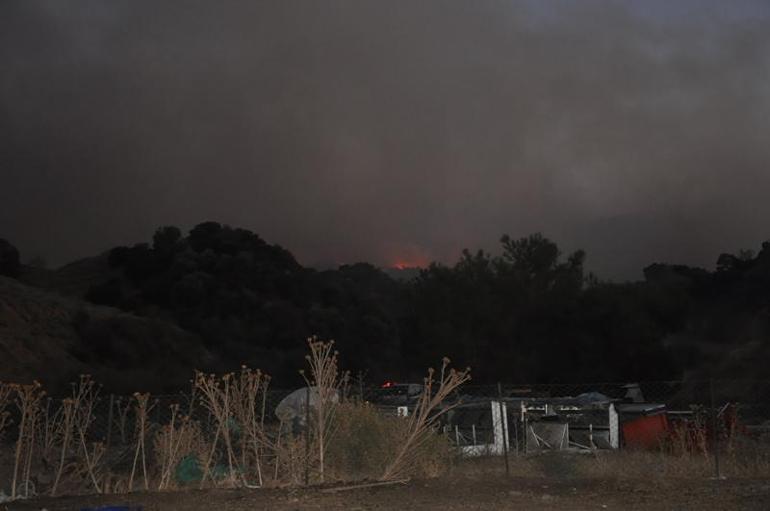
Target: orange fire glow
407,256
404,264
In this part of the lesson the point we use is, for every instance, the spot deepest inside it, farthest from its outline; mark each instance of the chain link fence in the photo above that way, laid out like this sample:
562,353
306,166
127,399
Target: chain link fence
113,415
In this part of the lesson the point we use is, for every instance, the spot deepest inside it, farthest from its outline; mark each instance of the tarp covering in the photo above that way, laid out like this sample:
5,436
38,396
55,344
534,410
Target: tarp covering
292,408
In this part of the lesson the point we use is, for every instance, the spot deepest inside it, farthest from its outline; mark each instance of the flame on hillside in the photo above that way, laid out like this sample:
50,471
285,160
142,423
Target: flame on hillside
408,264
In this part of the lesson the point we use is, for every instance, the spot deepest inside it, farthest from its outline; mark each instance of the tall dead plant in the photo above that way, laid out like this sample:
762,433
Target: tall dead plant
65,431
216,397
249,398
27,400
50,423
166,444
142,410
290,457
86,394
71,422
179,438
423,420
326,380
122,407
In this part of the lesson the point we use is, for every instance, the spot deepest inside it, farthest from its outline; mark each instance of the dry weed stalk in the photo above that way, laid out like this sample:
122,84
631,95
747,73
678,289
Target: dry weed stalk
166,447
326,378
422,421
216,397
249,391
33,419
290,458
122,417
142,409
114,484
6,390
50,429
75,416
689,437
191,398
729,429
27,401
90,465
86,395
277,450
172,442
66,428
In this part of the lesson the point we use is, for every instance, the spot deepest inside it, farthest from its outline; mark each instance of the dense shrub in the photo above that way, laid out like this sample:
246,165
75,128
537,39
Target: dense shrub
530,313
365,440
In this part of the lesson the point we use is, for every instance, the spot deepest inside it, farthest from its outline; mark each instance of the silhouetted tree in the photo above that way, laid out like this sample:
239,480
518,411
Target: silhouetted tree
165,240
526,314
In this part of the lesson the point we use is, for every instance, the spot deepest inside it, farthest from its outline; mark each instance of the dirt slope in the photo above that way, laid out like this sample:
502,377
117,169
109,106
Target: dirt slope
53,338
73,279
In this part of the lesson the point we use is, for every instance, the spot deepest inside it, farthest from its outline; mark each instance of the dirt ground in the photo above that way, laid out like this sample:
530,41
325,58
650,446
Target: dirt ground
453,492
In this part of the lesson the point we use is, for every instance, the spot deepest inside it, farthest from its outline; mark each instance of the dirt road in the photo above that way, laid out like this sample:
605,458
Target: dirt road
450,493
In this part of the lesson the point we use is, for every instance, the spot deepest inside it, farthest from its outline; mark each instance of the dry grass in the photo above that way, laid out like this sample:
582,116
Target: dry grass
656,467
227,437
485,467
368,440
27,400
421,424
291,459
364,442
662,467
642,464
237,405
228,440
179,438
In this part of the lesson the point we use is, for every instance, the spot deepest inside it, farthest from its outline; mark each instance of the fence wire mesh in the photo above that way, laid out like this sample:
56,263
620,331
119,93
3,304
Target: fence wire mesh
113,416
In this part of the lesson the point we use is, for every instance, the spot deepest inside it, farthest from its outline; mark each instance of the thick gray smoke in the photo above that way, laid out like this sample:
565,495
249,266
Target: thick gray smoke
389,131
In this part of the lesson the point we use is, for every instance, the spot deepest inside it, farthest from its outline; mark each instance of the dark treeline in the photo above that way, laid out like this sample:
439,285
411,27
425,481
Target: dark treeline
527,314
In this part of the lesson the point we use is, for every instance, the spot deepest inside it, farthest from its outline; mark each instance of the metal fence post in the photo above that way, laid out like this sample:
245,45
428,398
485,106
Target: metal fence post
503,427
714,431
516,435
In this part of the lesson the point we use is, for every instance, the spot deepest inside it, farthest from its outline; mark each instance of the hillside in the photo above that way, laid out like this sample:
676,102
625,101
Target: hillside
73,279
529,314
53,338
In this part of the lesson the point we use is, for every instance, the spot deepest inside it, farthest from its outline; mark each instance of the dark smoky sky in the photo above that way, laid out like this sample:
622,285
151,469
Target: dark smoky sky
389,131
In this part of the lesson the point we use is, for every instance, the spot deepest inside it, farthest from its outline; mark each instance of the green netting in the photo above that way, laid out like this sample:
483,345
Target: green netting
188,470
